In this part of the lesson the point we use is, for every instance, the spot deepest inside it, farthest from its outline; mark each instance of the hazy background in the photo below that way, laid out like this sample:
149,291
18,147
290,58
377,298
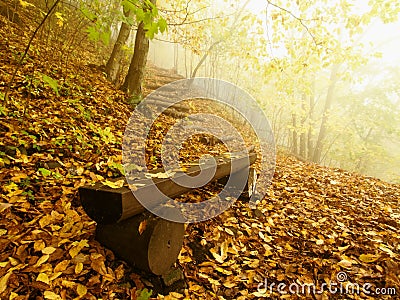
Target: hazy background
326,75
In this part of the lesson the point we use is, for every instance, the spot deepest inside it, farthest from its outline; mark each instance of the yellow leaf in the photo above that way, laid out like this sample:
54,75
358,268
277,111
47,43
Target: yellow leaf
61,266
213,281
229,285
223,271
46,220
254,263
288,247
3,264
114,184
42,260
25,4
142,226
43,278
13,261
345,263
13,296
48,250
60,19
80,170
74,251
160,175
319,242
224,250
11,187
51,295
81,290
228,231
185,259
176,295
387,250
78,268
3,282
196,287
119,272
268,252
266,238
368,258
388,209
217,257
55,275
39,245
343,248
68,284
4,206
259,294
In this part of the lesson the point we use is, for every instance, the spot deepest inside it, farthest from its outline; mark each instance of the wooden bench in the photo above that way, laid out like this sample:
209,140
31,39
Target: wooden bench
139,237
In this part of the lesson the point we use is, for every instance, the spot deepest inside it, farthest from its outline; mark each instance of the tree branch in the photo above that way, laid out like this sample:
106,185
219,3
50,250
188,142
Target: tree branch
300,20
27,48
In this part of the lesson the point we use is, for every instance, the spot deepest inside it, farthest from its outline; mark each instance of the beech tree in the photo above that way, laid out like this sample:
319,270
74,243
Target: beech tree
149,23
113,66
133,80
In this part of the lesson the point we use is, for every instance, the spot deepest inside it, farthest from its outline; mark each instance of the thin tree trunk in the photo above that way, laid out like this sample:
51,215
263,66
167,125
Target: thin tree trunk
213,45
310,147
203,59
303,153
113,65
325,117
176,58
294,135
186,67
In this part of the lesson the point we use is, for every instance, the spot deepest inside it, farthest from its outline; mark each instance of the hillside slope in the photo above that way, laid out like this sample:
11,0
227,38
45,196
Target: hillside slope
314,223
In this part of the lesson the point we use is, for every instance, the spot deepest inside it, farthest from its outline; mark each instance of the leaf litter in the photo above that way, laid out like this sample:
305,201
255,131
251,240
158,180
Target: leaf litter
314,222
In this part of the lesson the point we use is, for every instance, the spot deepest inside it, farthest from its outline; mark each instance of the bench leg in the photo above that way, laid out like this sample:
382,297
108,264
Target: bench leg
145,241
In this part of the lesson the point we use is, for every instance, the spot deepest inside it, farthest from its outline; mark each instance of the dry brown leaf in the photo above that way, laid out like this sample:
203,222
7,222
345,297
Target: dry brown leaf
142,226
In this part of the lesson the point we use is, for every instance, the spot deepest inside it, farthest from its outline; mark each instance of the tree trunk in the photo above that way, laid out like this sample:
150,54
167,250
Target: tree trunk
176,58
324,123
213,45
113,65
310,147
133,80
294,135
204,57
186,67
303,146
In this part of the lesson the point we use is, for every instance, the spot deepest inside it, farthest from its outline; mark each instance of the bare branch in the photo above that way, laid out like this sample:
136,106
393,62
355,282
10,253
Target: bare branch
27,48
198,21
300,20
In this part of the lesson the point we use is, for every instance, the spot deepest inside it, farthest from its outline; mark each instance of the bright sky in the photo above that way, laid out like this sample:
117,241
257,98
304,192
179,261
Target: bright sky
386,37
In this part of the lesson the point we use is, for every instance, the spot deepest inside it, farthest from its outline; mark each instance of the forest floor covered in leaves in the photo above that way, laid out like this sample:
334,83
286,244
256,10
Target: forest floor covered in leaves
316,225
